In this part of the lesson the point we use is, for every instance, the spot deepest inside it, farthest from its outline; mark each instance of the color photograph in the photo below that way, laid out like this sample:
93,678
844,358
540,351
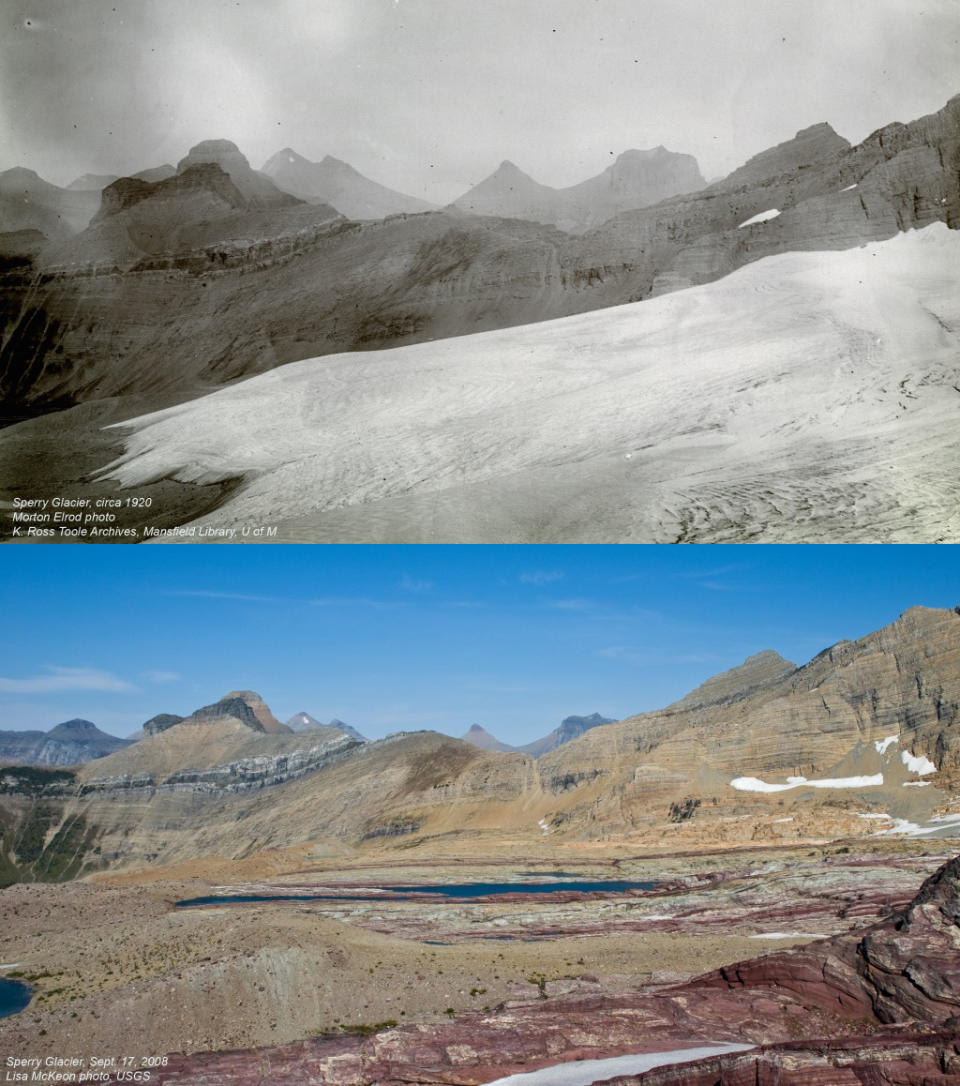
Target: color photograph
470,815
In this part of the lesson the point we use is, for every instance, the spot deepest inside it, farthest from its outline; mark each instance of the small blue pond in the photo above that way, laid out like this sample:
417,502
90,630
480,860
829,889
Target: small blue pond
456,891
14,996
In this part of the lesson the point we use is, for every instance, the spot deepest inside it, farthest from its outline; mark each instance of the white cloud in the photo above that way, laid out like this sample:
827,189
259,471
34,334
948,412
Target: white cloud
410,584
162,676
65,678
541,577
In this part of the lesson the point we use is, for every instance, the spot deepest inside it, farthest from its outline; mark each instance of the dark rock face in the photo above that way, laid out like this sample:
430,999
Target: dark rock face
70,743
160,723
127,191
257,189
226,707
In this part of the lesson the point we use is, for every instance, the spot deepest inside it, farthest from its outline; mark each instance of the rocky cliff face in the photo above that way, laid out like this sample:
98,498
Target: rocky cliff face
828,719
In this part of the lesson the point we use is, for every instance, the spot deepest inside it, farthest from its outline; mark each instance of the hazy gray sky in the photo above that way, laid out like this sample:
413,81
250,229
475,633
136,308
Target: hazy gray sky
428,96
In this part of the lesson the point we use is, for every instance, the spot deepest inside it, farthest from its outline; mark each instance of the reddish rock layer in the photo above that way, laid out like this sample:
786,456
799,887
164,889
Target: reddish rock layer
905,970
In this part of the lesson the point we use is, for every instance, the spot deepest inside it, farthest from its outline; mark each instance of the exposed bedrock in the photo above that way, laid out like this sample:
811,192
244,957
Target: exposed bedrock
889,1012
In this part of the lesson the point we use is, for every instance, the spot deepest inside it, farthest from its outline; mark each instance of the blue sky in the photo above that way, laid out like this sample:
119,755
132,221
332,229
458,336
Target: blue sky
390,638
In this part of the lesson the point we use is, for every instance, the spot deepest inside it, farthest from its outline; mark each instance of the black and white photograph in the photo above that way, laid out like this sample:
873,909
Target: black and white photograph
438,271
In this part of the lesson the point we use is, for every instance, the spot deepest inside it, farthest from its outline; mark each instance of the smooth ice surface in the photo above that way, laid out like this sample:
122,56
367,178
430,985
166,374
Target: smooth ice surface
807,397
755,784
883,744
762,216
586,1072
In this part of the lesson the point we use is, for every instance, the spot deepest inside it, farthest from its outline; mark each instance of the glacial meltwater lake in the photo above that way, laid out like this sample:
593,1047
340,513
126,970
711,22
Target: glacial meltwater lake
465,891
14,996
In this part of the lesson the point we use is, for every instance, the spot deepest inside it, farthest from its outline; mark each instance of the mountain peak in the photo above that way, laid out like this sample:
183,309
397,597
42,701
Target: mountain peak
214,147
479,737
75,729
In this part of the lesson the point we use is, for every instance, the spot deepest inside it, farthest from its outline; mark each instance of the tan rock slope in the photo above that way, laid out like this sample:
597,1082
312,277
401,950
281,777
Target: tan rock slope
864,734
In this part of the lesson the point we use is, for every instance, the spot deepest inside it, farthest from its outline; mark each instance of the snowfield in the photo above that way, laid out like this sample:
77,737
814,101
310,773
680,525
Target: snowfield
807,397
763,216
755,784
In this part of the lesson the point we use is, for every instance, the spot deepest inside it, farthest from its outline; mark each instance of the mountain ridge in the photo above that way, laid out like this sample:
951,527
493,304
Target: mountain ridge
638,178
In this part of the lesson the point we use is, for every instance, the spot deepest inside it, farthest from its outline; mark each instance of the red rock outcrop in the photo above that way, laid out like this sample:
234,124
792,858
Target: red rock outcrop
839,993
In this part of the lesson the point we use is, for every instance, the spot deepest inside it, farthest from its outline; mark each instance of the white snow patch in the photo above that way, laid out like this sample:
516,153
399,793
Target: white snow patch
917,784
544,826
912,829
920,764
788,935
882,744
762,216
754,784
782,820
586,1072
876,814
849,187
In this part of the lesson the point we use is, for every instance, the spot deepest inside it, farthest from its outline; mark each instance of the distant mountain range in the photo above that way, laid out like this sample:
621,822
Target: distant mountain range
337,183
866,733
301,722
636,179
70,743
570,728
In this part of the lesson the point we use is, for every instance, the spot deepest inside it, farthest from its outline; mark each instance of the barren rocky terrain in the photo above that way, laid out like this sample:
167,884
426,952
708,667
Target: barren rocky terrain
798,822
